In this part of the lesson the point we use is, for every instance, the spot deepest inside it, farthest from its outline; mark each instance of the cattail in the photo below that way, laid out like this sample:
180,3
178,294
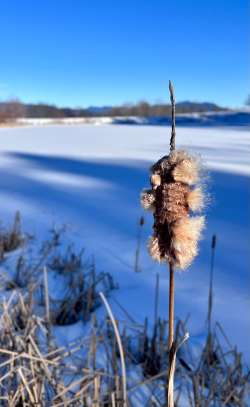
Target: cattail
174,196
172,199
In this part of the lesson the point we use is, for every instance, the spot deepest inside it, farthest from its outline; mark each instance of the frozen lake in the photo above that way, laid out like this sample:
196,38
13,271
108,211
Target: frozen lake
90,177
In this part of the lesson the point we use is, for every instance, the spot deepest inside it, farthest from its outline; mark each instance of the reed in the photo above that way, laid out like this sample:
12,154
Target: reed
175,194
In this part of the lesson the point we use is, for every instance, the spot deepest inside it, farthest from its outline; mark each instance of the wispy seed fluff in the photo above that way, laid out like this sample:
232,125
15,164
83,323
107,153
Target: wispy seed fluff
173,196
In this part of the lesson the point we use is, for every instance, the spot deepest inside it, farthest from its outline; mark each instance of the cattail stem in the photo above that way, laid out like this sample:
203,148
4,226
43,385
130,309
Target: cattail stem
171,308
138,248
171,266
170,397
156,300
170,377
210,296
172,99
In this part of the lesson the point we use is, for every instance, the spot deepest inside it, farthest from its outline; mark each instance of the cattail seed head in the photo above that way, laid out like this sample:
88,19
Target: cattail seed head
148,199
176,234
186,233
154,249
155,180
186,168
195,199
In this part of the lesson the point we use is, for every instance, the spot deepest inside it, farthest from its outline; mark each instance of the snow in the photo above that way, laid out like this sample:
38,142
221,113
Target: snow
220,118
90,178
67,120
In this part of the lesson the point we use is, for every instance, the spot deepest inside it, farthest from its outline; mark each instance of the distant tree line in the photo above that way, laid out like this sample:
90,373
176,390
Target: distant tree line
13,109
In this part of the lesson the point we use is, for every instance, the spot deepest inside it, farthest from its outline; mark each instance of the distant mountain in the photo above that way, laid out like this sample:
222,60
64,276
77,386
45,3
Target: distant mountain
204,106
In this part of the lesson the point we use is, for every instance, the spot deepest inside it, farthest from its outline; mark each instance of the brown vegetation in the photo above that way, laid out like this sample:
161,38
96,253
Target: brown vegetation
35,370
11,110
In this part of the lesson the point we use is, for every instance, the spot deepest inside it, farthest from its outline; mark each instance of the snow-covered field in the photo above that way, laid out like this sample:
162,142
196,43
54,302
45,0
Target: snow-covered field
90,178
209,119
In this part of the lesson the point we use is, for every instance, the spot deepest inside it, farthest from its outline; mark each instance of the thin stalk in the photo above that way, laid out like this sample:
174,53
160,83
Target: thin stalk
210,296
138,247
170,387
171,267
120,347
171,363
156,303
46,295
171,308
172,99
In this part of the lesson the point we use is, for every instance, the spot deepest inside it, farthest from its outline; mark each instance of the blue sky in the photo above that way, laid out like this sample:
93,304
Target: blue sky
103,52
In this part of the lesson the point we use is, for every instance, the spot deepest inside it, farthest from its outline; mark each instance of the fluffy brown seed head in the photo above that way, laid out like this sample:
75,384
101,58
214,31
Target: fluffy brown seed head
188,228
154,249
185,235
186,170
155,180
176,235
148,199
177,166
161,166
170,203
195,199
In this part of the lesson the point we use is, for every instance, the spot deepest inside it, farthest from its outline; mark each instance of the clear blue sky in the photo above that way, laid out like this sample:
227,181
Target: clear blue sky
103,52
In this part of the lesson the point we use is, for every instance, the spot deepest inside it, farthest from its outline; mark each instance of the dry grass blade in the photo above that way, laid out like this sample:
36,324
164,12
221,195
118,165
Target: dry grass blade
32,398
172,369
119,342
